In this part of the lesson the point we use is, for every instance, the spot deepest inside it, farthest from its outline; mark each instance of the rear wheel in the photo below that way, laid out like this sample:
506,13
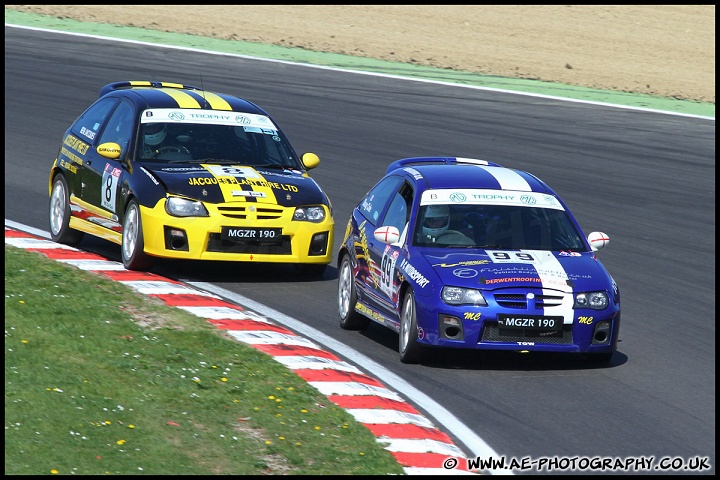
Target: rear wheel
60,214
133,244
347,298
410,349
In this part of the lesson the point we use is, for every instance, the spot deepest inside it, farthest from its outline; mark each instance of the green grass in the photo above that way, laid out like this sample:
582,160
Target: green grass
100,379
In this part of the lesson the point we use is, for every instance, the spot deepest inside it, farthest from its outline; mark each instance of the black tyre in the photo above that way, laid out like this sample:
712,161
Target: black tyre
347,298
60,230
133,245
410,349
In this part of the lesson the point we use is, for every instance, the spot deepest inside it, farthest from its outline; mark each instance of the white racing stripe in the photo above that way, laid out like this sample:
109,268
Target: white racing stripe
508,179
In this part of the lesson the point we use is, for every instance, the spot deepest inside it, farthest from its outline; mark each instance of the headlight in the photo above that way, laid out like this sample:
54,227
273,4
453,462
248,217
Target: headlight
309,214
181,207
462,296
594,300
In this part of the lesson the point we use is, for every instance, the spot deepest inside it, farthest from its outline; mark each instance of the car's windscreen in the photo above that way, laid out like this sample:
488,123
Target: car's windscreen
496,227
214,143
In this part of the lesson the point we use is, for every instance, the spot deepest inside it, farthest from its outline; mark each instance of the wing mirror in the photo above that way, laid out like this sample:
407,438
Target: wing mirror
597,240
310,160
109,150
387,234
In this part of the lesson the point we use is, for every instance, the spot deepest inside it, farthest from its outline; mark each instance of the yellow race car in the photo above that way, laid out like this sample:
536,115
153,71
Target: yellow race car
174,171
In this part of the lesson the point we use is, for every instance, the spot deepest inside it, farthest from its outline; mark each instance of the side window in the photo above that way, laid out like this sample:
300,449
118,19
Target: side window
374,202
88,125
120,126
398,213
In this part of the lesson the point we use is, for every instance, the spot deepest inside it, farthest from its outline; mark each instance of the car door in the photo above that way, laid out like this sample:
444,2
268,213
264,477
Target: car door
381,284
102,176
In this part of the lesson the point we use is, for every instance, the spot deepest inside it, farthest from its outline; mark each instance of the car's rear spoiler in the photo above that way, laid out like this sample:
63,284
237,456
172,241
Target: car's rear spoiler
438,160
142,83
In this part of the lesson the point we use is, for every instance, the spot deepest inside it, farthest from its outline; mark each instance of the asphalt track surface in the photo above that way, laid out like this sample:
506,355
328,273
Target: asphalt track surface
646,178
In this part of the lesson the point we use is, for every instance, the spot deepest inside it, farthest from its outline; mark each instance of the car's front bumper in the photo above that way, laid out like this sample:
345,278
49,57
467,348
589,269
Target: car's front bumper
199,238
591,331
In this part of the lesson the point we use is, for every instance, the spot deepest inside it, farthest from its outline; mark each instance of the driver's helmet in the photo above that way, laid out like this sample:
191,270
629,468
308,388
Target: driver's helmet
155,133
437,220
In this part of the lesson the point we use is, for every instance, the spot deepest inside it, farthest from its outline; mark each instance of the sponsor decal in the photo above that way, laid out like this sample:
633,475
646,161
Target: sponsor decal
369,312
465,262
252,182
387,269
247,193
585,320
474,316
543,281
108,187
458,197
367,204
76,144
88,133
507,198
68,166
490,197
563,253
416,175
412,273
73,158
182,169
152,177
465,272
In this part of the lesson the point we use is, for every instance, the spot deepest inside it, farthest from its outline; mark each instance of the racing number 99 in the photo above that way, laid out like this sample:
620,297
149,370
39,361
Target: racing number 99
387,265
519,255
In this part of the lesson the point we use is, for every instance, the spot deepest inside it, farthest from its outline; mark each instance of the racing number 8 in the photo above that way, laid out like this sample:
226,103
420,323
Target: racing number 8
109,187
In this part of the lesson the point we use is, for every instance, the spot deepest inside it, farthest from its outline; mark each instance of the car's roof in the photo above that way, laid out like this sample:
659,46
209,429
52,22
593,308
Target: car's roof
466,173
175,95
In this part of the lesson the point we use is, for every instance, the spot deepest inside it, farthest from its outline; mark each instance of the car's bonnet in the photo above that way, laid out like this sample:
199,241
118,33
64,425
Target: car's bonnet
562,271
225,183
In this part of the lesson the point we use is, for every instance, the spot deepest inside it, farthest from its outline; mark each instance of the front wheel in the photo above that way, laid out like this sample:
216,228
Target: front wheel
410,349
347,298
60,214
133,245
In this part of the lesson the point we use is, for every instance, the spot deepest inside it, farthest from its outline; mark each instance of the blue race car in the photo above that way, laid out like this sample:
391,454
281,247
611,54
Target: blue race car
464,253
167,170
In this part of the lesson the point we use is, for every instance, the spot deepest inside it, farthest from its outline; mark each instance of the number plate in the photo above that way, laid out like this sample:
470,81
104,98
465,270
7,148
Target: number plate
239,234
531,322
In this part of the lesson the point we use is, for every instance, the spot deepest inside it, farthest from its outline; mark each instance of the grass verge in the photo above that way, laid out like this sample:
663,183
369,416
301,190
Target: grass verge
100,379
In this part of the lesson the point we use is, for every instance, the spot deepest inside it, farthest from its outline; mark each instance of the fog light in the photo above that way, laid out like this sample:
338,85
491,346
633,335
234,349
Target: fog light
176,239
601,335
451,328
318,244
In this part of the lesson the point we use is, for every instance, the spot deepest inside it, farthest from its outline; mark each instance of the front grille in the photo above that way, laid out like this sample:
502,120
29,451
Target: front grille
492,333
519,300
262,213
217,244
